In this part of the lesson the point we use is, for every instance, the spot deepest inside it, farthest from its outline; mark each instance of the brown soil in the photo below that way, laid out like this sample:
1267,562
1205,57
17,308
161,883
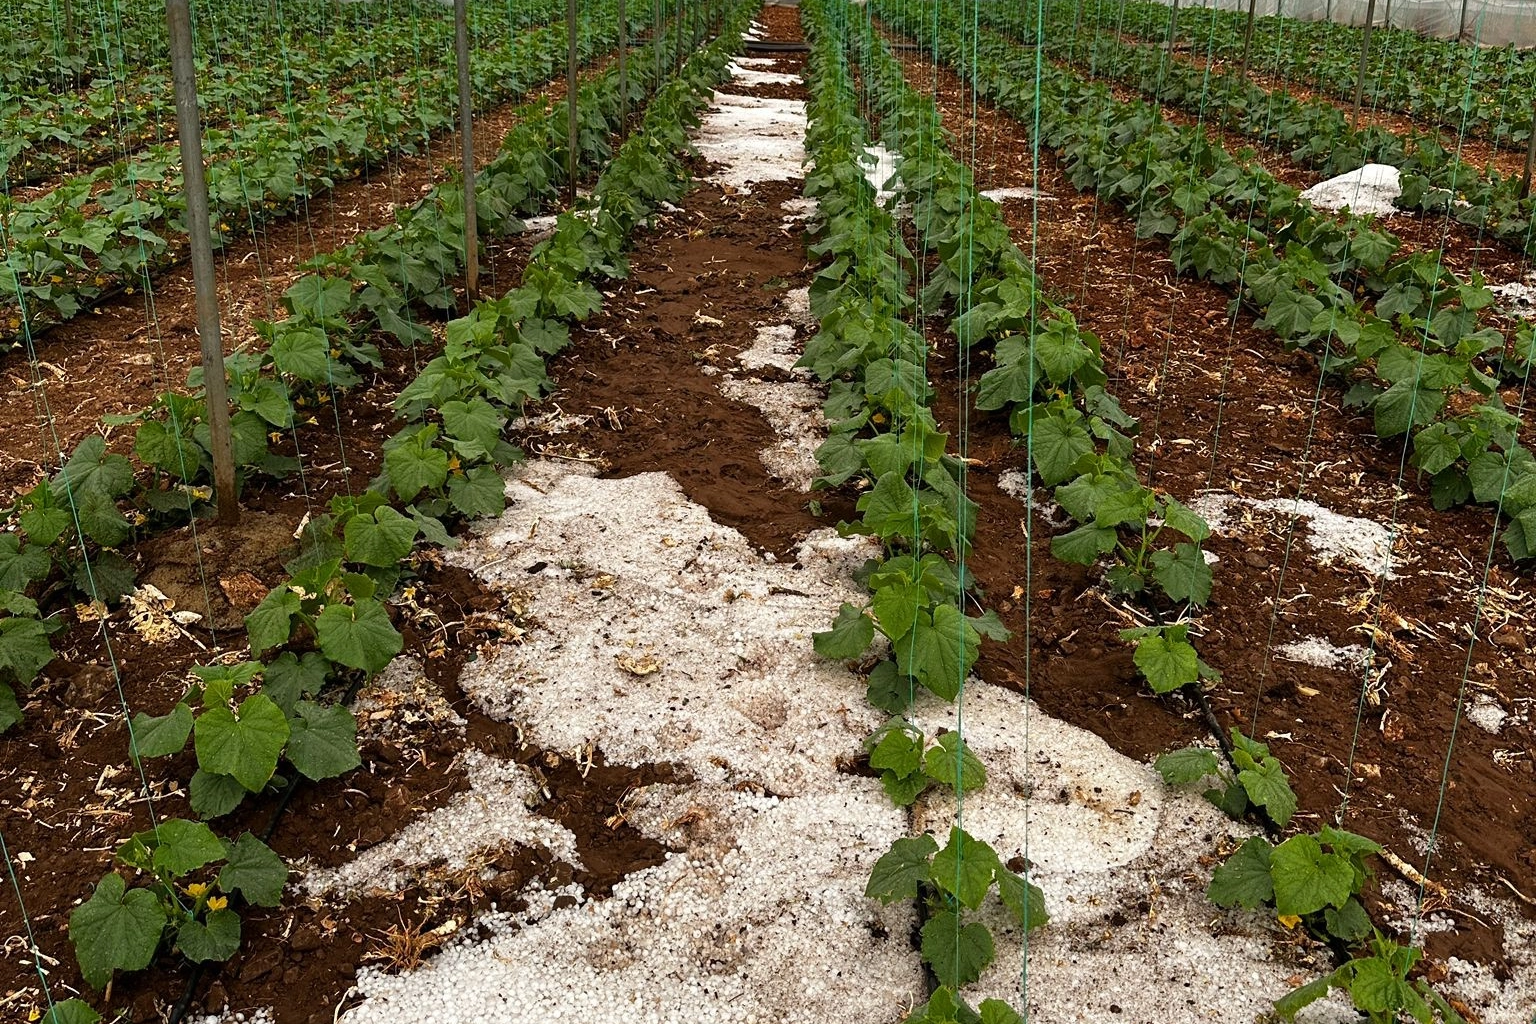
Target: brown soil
1222,406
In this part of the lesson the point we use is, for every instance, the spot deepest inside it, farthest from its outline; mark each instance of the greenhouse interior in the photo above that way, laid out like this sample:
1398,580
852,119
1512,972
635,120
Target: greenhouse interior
742,512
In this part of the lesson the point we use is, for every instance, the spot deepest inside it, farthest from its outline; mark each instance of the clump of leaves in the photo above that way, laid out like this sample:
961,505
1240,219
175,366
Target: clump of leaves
1378,985
1258,781
908,766
190,876
954,879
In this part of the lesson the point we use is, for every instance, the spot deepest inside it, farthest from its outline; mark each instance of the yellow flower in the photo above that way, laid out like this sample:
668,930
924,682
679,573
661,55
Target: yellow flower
218,903
197,890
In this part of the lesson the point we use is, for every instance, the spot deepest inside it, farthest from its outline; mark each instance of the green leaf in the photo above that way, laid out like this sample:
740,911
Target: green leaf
255,872
1167,663
890,508
415,465
849,637
939,764
899,750
1058,443
319,297
1296,1000
291,677
1404,406
105,578
896,605
245,745
359,635
217,938
995,1011
1268,787
21,565
380,539
888,689
1244,880
964,868
323,743
475,421
270,623
940,651
479,492
1183,573
302,352
901,869
71,1011
1350,922
179,846
1084,545
24,648
1307,879
1187,766
115,930
958,954
162,736
10,708
1379,990
1023,899
212,795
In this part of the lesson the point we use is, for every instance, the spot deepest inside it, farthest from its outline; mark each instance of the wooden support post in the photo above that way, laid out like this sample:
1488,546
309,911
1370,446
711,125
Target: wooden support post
572,138
1173,26
1365,53
656,43
189,127
1461,28
623,67
1247,40
467,153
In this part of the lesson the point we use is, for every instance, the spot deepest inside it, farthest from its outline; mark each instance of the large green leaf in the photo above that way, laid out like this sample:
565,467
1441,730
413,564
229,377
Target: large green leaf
358,635
323,743
1183,573
957,953
71,1011
1268,787
254,871
899,871
939,764
381,538
849,637
270,623
1168,663
1307,879
116,930
163,735
21,565
1057,445
216,938
24,649
1244,880
899,749
1023,899
964,868
1187,766
246,744
212,795
940,650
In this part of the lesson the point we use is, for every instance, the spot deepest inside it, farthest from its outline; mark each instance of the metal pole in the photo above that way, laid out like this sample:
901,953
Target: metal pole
623,67
178,21
1365,51
656,42
1530,156
570,100
1461,30
467,142
1247,40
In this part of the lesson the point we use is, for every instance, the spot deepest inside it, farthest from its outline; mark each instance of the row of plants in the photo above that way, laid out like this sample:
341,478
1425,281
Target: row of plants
45,132
64,533
1308,879
1049,376
113,228
260,724
52,47
1398,332
1313,133
885,437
